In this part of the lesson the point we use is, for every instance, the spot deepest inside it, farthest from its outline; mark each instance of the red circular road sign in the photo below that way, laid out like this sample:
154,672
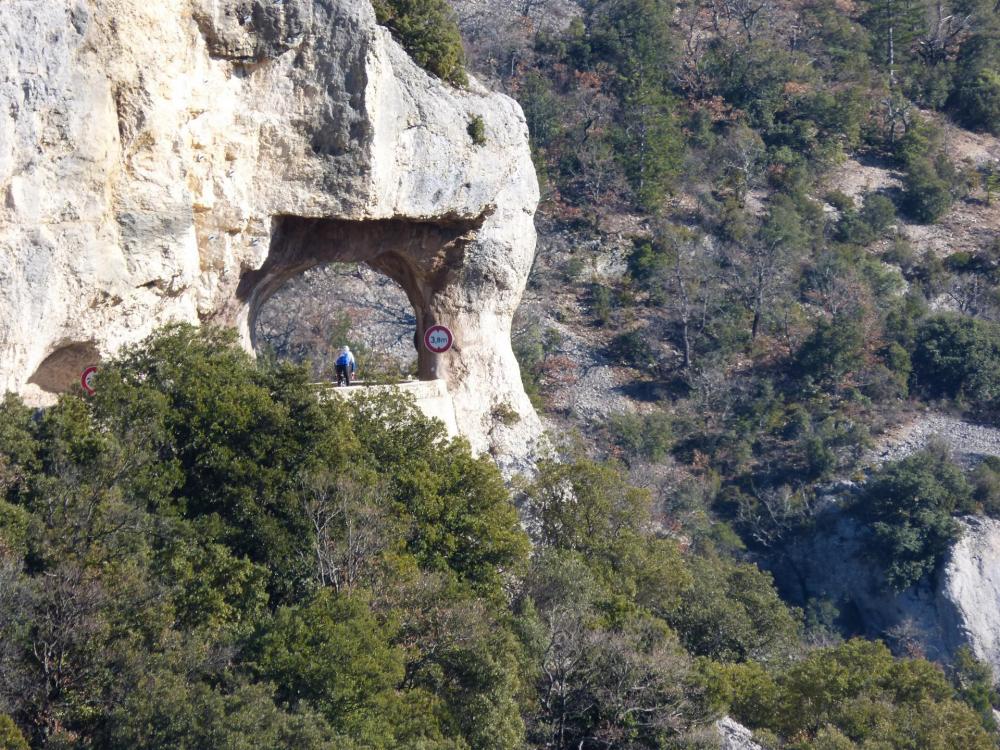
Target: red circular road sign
87,380
438,339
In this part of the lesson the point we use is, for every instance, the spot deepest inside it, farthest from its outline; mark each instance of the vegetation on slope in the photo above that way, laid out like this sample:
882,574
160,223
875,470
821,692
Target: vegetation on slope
768,322
205,555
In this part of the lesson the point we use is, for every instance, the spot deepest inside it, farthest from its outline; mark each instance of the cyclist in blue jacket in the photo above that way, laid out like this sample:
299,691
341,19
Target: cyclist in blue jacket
345,366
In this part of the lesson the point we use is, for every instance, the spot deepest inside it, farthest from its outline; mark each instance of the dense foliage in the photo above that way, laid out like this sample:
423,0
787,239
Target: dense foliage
204,554
738,294
909,506
854,695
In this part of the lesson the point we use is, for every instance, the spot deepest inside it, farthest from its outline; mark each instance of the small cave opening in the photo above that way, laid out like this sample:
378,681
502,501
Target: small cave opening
367,284
312,315
60,372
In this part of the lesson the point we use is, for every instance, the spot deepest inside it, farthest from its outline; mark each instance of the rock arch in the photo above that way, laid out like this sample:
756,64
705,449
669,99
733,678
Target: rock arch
421,256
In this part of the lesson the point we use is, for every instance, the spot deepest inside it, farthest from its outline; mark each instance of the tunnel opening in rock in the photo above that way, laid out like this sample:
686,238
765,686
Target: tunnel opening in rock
60,371
327,282
313,314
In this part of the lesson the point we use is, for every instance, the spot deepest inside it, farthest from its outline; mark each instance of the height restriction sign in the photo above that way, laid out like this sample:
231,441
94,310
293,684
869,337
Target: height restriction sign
438,339
87,380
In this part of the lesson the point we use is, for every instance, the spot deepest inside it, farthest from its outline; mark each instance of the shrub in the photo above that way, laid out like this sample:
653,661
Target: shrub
10,736
428,30
864,226
926,196
848,696
980,101
832,350
601,303
840,201
897,361
976,100
633,349
986,486
959,357
477,130
973,679
908,507
649,436
878,212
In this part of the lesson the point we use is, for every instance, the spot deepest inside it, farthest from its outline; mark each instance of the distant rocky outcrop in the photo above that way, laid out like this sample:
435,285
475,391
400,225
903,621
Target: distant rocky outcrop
180,160
735,736
960,606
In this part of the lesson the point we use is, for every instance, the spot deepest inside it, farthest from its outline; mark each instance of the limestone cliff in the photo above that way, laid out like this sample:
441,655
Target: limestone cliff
180,159
959,606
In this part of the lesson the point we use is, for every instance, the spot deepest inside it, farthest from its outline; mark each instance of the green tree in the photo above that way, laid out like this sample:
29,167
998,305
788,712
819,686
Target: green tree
908,506
854,695
833,350
331,652
634,36
731,612
428,30
926,196
959,357
455,507
242,438
986,485
169,712
10,736
895,25
973,679
976,100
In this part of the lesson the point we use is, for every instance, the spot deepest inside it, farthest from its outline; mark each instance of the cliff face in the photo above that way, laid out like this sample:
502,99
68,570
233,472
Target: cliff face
958,607
180,159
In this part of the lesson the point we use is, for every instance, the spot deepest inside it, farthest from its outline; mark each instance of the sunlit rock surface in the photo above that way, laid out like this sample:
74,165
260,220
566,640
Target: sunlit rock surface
164,161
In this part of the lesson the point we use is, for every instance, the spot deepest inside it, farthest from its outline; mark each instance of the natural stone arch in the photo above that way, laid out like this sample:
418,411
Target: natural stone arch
312,315
417,255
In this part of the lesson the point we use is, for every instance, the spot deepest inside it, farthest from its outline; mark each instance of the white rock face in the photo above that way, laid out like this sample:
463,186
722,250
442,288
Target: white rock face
177,160
968,597
734,735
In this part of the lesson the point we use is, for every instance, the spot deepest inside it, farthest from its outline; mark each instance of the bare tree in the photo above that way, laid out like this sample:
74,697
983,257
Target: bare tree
352,528
747,14
742,159
972,294
771,512
690,289
946,33
757,270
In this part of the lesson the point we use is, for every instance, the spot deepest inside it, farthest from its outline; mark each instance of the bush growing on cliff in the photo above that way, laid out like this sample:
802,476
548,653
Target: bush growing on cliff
428,30
908,506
